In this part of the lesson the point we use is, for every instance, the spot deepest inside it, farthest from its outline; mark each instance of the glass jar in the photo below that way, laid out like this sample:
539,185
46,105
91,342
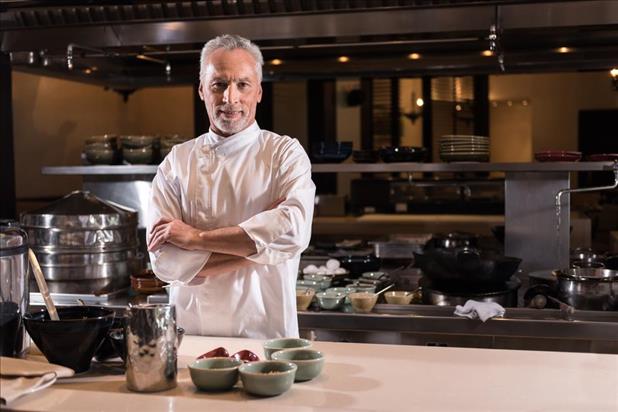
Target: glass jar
14,293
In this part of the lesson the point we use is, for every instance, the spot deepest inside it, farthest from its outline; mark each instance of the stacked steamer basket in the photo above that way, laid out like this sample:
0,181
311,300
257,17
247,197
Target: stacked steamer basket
464,148
83,238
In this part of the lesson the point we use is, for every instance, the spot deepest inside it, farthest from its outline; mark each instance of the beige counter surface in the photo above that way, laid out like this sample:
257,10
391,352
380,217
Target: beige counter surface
364,377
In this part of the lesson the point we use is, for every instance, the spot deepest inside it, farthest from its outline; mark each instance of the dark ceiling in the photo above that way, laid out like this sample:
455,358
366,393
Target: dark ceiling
134,44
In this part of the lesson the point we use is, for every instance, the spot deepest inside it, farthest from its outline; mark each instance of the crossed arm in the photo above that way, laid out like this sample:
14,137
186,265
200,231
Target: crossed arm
229,245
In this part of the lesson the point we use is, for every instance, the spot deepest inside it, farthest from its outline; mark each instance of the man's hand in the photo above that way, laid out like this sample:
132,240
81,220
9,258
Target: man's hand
173,231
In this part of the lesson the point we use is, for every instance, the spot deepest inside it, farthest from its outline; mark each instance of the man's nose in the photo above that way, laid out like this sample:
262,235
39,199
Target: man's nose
231,94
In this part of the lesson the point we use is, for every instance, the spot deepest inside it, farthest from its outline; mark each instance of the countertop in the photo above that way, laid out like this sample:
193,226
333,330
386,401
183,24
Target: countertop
369,377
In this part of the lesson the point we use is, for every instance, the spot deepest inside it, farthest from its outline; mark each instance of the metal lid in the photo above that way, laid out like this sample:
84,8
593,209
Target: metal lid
80,210
13,239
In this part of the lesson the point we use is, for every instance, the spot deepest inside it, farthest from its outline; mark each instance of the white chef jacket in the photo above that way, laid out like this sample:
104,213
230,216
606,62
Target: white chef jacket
211,182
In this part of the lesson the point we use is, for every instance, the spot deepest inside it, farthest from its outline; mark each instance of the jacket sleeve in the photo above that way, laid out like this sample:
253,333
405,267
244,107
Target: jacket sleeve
171,263
284,232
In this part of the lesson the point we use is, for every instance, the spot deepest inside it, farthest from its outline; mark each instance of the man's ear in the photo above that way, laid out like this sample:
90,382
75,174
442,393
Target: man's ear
200,91
259,99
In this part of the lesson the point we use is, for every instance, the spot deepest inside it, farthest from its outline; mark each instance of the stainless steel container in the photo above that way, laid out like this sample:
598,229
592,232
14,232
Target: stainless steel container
83,237
588,288
151,339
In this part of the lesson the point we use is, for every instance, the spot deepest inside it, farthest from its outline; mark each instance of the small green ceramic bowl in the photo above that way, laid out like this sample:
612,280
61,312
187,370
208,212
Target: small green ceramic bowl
273,345
309,362
267,378
215,374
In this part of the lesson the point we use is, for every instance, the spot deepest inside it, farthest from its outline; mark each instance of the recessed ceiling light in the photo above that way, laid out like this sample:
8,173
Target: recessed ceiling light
414,56
276,62
343,59
87,71
487,53
564,49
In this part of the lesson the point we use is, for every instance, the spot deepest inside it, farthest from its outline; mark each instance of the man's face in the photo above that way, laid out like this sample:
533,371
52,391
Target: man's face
231,90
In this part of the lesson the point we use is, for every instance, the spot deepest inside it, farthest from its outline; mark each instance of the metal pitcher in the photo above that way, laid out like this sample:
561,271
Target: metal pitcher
151,340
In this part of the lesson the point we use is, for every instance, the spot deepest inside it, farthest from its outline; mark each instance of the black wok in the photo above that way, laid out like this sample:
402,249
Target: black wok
469,266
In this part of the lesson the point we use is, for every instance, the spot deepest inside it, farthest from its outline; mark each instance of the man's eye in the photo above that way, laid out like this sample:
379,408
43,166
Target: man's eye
219,86
243,85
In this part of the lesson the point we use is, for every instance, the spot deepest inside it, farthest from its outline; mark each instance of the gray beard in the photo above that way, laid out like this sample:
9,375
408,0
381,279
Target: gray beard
231,127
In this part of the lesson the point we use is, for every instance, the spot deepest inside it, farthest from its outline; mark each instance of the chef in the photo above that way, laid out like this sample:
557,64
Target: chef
230,211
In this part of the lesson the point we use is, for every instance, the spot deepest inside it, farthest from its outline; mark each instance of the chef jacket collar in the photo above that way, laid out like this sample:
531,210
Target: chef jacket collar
227,145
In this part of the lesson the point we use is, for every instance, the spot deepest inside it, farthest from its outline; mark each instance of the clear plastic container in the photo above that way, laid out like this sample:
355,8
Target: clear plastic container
14,293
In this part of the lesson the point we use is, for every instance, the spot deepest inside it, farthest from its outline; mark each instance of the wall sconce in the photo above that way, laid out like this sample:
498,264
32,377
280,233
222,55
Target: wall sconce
417,109
614,73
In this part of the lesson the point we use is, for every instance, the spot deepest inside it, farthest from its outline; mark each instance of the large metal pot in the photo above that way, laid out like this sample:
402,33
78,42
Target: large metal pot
588,288
452,240
82,237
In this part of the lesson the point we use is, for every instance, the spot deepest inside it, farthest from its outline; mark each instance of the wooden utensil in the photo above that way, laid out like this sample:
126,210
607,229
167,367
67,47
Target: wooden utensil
40,281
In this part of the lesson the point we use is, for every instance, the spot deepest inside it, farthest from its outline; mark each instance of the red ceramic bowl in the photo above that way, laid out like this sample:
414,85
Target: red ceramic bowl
603,157
557,156
146,282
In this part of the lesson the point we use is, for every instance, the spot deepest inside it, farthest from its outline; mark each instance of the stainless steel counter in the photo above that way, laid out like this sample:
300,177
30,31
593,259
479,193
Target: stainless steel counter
520,328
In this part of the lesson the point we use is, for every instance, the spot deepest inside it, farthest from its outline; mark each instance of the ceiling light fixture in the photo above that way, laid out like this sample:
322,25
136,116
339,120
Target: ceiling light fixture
276,62
343,59
564,49
414,56
487,53
614,73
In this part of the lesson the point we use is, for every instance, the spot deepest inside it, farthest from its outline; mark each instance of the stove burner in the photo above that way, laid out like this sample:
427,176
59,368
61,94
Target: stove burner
504,294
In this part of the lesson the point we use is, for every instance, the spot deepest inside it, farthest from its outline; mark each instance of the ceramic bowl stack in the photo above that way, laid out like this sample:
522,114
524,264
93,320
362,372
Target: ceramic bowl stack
102,150
138,149
464,148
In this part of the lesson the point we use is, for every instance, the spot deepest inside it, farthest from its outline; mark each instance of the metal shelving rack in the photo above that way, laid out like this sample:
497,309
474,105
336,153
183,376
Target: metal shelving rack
531,221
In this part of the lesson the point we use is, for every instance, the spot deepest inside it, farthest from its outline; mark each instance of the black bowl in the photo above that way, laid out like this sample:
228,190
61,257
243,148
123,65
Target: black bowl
72,340
107,350
331,152
365,156
465,266
403,154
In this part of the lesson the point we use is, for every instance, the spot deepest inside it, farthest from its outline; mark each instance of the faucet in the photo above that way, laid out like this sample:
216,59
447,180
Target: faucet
590,189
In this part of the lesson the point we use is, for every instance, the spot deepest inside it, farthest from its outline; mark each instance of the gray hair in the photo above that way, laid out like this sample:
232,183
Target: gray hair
231,42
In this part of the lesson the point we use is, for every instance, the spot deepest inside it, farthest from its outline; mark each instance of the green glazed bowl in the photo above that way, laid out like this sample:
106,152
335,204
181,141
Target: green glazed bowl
267,378
215,374
273,345
309,362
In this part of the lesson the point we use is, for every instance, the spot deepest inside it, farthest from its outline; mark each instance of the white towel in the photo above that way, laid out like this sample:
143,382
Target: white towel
19,377
481,310
14,388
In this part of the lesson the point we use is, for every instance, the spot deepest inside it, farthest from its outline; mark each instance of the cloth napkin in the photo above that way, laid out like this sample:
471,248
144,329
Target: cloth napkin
20,377
479,310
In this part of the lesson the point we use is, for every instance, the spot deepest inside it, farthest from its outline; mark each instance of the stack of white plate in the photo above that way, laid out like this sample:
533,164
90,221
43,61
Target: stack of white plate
464,148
